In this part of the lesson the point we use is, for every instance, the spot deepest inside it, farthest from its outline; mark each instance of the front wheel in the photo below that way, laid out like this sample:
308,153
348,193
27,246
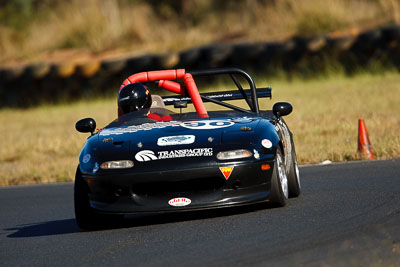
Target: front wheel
294,177
85,216
279,181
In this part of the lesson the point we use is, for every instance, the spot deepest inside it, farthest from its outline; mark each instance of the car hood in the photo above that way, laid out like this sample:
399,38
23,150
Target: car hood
194,143
177,133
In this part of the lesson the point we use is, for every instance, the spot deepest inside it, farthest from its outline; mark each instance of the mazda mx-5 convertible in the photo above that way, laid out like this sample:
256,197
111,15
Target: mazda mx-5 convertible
185,150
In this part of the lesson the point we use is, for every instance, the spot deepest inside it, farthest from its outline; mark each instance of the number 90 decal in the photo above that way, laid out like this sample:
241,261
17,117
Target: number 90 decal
207,124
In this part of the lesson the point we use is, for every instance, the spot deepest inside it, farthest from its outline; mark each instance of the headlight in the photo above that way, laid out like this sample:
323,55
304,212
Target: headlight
120,164
234,154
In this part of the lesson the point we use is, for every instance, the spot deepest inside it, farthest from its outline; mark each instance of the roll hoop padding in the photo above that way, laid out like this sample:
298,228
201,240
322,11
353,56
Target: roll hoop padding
163,76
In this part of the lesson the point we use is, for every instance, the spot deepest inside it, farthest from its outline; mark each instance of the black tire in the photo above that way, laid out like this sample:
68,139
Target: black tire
113,66
85,215
294,177
278,197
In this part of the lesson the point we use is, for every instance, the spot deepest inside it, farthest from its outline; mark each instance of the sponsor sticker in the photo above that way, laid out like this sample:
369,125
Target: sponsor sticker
194,125
176,140
256,154
147,155
174,99
96,167
266,143
137,128
86,158
207,124
179,201
226,171
185,153
243,120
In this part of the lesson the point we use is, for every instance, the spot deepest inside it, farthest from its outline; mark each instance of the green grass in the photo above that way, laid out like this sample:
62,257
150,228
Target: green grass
40,145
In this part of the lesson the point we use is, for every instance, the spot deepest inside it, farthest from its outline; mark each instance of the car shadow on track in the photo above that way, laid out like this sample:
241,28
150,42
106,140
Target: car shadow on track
69,226
174,217
44,229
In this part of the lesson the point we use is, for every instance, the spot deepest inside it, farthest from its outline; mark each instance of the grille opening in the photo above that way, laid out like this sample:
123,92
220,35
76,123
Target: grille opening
192,185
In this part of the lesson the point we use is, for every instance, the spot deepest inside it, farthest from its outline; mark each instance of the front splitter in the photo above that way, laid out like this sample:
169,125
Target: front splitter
199,200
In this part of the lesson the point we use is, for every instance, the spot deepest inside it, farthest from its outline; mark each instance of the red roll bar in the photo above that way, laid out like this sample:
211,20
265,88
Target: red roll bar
164,77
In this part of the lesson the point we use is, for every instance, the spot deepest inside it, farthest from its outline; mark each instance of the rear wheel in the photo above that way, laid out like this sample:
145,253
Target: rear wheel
85,215
279,181
294,177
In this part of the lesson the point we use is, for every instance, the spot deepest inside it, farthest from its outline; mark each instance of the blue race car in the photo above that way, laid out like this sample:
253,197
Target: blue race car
155,157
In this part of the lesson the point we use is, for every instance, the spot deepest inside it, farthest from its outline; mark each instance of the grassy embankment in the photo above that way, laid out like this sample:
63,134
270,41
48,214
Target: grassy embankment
51,30
40,145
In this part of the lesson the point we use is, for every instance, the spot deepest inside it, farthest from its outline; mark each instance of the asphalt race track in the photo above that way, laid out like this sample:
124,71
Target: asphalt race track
348,215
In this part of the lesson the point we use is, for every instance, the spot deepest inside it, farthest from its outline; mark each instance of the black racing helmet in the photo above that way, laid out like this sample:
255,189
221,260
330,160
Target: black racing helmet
134,96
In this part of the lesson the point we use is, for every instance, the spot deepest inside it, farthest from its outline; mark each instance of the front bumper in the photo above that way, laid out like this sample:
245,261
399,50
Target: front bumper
205,187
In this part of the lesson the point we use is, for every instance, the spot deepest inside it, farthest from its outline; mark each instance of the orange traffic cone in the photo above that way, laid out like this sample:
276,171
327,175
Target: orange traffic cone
364,145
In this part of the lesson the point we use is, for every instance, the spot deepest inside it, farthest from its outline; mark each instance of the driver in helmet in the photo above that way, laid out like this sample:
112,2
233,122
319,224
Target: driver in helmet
134,97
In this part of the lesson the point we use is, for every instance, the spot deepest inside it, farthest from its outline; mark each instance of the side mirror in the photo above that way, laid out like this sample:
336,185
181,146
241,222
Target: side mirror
281,109
87,125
